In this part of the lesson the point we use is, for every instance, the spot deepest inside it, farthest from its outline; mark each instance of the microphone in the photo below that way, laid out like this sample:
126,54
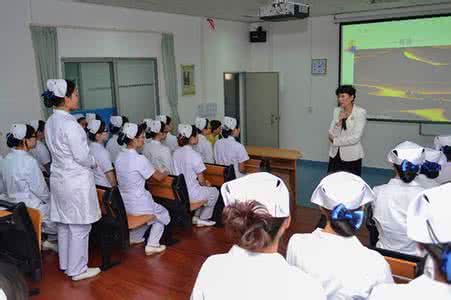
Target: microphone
343,121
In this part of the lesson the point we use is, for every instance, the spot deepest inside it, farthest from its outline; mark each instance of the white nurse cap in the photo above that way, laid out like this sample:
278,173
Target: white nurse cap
18,131
155,126
147,122
435,156
229,123
265,188
162,118
185,130
94,125
90,116
116,121
130,130
58,87
78,116
201,123
430,210
442,141
35,124
409,151
342,188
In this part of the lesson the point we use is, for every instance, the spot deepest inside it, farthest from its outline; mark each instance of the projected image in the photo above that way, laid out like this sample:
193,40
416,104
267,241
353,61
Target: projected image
401,71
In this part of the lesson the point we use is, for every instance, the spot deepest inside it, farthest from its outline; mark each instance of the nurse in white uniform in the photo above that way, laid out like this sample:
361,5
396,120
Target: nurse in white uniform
189,163
430,170
334,255
74,204
24,181
133,170
104,173
228,151
257,214
116,123
171,140
428,224
159,154
41,152
393,198
146,123
204,147
443,143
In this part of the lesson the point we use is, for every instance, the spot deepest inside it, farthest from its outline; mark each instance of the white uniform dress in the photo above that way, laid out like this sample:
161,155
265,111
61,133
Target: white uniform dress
346,268
240,274
74,202
189,163
24,182
42,155
159,155
171,142
132,171
113,147
422,287
445,174
390,213
230,152
205,149
104,164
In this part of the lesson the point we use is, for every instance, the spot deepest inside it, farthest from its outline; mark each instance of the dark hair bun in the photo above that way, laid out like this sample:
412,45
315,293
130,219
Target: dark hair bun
122,139
11,141
250,224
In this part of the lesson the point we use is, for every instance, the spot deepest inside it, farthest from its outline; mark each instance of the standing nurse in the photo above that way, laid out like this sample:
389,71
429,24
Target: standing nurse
74,205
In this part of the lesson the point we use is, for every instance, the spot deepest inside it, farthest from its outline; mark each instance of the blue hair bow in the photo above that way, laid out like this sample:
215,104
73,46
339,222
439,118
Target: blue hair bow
430,167
353,218
408,166
48,94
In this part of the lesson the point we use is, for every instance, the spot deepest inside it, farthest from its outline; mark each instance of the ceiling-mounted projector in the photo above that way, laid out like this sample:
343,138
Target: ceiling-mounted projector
284,10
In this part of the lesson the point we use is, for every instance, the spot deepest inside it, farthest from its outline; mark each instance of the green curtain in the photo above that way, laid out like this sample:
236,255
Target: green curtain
45,44
170,75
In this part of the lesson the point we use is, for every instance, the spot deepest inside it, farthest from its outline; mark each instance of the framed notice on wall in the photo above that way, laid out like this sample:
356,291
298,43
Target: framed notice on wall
188,80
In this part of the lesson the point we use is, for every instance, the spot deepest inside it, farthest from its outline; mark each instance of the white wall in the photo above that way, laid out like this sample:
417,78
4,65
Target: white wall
18,81
289,51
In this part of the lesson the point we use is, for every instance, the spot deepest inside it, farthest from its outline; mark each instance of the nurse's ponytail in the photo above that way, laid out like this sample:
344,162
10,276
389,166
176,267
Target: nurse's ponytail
250,225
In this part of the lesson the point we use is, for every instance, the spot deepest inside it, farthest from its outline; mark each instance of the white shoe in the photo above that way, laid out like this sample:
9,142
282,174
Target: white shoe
195,220
49,246
154,250
90,272
205,223
137,242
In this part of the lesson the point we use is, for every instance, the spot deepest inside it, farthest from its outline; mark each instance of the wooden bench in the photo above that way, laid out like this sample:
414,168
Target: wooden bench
253,166
217,175
404,267
20,234
172,193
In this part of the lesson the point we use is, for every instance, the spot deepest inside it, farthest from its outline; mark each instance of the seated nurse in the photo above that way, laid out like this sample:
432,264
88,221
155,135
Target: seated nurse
132,171
24,181
256,216
428,224
334,255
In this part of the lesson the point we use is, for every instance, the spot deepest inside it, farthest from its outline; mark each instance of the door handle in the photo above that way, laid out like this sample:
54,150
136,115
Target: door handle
274,118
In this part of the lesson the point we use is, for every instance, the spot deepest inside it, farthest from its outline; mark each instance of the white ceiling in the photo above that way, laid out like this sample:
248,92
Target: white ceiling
240,10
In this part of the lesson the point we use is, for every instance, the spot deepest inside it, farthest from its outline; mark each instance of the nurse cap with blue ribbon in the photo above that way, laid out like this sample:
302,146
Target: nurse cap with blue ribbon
265,188
342,188
408,155
343,194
